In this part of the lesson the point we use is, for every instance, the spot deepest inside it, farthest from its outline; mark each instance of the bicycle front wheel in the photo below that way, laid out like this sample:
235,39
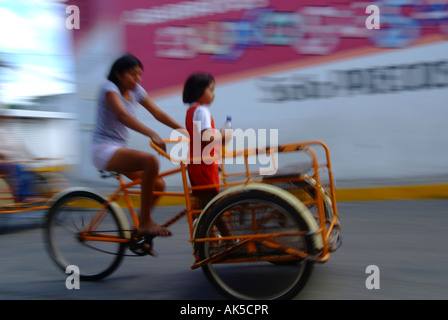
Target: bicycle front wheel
268,229
81,230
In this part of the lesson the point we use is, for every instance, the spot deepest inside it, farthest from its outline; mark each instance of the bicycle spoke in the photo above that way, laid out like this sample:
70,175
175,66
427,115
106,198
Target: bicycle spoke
68,225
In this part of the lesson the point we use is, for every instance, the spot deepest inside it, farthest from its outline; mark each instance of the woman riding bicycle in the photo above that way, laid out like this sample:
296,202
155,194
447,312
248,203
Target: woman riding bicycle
120,96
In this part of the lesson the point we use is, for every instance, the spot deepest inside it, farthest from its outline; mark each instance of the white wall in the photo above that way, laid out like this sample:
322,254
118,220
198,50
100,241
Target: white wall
402,133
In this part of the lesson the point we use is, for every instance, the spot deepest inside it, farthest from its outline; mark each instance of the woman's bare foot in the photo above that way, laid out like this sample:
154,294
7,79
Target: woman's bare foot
155,230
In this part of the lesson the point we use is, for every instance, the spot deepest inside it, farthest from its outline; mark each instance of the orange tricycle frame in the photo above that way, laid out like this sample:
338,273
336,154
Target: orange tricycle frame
322,192
285,217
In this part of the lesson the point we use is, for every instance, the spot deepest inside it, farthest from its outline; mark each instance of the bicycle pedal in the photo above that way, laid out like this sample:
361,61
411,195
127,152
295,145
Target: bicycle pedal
137,249
145,240
137,246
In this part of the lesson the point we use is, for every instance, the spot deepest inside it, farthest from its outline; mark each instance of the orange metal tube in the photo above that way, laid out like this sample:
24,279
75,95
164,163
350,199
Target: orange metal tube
266,239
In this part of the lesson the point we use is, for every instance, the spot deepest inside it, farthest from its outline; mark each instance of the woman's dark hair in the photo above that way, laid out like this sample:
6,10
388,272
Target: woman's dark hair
195,86
122,64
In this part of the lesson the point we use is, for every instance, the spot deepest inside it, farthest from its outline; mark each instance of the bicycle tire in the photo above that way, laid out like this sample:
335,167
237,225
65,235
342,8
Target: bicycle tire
66,217
247,281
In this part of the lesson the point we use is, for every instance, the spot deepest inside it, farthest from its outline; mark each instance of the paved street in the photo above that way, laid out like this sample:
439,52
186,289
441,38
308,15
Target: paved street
406,239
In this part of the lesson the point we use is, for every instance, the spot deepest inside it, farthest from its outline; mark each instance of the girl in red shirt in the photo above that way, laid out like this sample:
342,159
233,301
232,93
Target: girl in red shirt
199,93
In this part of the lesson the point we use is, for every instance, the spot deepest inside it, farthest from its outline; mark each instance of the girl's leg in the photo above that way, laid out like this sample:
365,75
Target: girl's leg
128,162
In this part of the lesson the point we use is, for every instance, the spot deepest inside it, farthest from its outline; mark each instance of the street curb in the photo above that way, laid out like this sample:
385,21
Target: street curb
437,191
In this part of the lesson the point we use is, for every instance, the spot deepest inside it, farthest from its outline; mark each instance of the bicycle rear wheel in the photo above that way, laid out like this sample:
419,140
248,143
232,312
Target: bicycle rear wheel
67,229
264,268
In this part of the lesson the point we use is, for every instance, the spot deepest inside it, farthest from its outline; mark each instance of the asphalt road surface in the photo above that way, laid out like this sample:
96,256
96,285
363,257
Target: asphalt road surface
406,240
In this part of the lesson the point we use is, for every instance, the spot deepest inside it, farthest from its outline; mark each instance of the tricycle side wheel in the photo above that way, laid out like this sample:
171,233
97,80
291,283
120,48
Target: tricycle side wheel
255,271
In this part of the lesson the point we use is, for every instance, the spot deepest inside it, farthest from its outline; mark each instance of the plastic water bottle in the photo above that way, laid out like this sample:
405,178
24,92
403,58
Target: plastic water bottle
227,136
227,124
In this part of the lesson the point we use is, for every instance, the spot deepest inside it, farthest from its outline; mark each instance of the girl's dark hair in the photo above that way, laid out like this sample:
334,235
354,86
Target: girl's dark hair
122,64
195,86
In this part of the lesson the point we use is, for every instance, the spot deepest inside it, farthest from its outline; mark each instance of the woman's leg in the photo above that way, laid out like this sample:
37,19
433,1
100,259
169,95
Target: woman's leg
132,163
159,184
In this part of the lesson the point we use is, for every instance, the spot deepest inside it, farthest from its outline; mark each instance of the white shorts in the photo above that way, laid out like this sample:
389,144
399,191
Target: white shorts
102,153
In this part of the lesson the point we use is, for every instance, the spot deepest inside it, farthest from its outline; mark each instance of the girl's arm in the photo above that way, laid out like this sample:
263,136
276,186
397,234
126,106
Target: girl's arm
113,100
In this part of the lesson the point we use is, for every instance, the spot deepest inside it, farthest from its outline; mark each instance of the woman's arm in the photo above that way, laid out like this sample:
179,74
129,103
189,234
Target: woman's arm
113,100
162,116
